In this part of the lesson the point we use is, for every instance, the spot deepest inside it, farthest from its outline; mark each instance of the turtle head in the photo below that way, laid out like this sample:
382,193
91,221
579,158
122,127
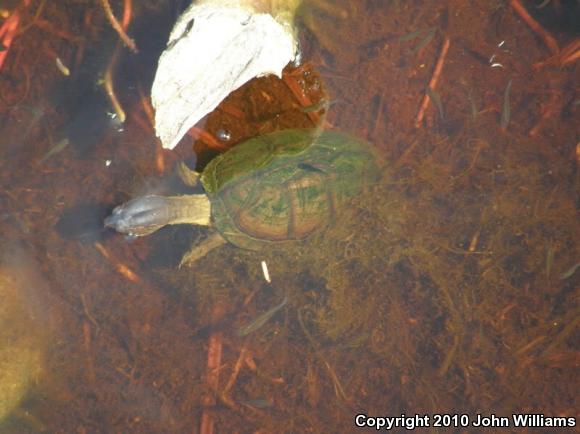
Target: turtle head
138,217
146,214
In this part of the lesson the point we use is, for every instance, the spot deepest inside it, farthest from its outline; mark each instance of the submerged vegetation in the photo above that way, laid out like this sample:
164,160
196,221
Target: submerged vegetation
437,280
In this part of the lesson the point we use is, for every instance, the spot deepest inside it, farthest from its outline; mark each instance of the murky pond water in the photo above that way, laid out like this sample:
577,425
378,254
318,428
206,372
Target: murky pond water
447,286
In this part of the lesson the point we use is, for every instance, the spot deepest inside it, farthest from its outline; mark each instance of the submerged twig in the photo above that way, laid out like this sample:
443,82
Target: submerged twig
117,26
119,266
109,88
7,33
570,53
148,110
207,138
433,82
298,92
235,372
127,14
535,26
214,358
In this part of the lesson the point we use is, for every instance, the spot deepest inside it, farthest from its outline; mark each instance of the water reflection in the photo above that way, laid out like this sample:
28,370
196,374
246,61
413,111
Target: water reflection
24,329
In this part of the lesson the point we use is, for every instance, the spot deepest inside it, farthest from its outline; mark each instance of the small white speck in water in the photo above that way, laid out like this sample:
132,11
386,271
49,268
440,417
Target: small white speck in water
62,67
265,271
108,162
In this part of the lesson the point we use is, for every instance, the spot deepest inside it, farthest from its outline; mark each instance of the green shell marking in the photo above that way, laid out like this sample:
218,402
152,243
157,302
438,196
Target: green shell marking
285,185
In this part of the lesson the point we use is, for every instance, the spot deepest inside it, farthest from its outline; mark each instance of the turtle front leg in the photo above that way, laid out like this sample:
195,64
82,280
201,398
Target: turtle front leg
188,176
198,251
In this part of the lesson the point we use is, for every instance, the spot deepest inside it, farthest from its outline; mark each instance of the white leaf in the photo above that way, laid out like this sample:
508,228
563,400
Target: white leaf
213,50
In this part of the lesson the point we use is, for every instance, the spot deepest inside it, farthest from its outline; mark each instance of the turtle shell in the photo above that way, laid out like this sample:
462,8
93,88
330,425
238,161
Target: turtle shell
285,185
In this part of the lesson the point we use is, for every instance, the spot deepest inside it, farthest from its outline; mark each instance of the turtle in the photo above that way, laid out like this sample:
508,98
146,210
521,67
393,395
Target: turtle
275,188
